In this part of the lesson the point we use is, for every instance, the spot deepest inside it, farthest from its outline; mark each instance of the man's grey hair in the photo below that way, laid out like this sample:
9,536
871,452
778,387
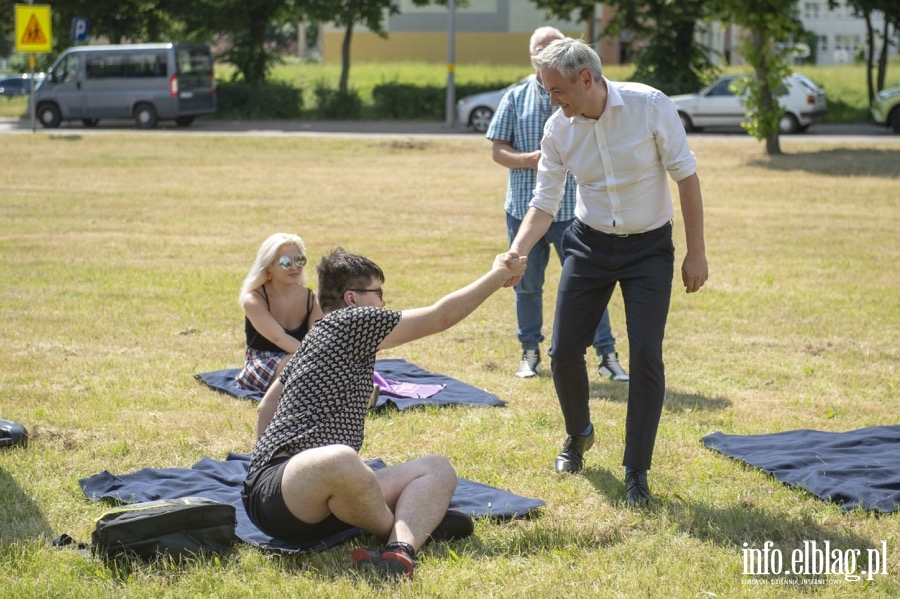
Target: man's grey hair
570,57
540,33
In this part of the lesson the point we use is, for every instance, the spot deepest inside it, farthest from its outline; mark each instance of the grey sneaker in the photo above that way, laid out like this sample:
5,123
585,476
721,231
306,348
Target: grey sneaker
611,369
530,365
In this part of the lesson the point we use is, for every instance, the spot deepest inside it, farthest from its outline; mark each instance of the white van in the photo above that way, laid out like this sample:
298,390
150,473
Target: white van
146,82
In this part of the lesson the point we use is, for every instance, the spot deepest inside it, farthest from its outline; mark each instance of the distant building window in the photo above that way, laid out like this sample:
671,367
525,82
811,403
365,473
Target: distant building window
822,43
846,42
811,10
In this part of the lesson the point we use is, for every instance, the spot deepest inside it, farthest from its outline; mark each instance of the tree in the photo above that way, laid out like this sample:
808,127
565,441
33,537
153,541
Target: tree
767,22
670,58
347,13
563,9
247,27
864,9
116,20
119,21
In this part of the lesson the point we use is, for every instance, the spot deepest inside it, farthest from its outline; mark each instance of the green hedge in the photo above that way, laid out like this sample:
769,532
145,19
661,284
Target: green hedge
270,100
407,101
336,105
402,101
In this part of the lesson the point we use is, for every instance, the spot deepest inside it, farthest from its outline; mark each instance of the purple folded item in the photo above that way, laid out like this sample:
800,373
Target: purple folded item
401,390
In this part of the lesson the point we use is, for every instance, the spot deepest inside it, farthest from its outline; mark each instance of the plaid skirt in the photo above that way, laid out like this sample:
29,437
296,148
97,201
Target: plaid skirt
259,368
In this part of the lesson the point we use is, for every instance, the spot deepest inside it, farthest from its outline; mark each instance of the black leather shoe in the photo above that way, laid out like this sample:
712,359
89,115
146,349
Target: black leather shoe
637,492
455,525
571,458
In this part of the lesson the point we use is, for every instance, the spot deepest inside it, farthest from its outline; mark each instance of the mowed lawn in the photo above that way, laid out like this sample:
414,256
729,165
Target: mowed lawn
122,255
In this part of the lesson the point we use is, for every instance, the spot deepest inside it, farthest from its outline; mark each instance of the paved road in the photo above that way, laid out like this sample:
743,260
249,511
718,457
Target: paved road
820,132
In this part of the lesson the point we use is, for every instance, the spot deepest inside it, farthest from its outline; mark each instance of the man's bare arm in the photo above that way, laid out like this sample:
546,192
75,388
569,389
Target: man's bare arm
694,269
504,154
452,308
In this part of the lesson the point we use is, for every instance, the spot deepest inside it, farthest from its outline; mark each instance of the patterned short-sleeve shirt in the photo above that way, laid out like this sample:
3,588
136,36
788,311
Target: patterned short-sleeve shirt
327,384
520,120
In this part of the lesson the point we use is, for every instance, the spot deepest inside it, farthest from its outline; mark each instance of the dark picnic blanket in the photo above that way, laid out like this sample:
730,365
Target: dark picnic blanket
223,480
454,391
858,468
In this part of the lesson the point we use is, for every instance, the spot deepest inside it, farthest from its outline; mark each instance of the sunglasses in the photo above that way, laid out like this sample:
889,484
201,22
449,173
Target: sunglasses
377,291
285,262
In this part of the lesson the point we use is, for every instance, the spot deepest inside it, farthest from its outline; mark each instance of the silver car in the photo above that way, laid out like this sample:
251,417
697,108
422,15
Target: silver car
718,106
477,111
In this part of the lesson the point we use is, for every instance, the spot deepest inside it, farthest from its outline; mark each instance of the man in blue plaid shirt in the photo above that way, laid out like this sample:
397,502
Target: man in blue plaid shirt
515,133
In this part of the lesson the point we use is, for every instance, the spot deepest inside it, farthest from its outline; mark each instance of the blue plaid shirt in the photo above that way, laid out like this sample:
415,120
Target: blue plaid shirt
520,119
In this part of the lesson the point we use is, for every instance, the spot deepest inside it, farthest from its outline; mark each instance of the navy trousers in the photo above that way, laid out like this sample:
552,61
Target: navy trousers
643,266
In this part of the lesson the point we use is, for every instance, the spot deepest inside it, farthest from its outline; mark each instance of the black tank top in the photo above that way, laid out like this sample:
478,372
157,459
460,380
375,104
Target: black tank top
258,341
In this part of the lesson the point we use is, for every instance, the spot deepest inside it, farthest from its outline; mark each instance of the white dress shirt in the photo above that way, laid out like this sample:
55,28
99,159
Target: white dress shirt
619,161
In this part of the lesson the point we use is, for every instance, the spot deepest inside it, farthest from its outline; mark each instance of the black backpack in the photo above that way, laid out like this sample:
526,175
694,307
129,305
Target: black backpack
12,434
177,528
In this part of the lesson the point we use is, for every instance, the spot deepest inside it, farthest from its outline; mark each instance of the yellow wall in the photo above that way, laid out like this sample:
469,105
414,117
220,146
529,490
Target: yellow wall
471,48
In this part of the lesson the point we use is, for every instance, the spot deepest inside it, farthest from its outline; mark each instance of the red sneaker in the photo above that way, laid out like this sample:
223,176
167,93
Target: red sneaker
388,563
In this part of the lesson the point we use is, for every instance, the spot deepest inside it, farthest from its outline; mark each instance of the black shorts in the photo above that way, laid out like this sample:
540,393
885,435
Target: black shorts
265,506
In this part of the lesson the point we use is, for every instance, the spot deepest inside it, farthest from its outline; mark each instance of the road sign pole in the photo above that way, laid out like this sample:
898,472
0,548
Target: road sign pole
451,64
31,107
33,34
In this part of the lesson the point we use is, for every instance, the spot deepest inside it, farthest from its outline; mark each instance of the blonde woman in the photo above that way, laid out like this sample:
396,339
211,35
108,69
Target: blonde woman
279,309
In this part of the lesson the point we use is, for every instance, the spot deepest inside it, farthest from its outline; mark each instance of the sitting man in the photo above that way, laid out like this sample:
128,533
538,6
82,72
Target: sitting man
306,480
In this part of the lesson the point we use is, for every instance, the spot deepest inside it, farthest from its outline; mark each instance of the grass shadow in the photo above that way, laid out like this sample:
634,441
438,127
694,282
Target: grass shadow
21,518
739,527
610,485
675,401
837,162
744,527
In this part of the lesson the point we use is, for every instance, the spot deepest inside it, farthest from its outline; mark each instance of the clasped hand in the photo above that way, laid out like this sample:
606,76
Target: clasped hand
515,264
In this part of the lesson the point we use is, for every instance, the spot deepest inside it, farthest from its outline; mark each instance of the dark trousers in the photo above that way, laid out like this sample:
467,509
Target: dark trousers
643,266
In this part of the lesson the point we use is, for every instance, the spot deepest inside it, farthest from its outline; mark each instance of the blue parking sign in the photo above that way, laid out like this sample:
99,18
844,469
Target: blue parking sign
79,29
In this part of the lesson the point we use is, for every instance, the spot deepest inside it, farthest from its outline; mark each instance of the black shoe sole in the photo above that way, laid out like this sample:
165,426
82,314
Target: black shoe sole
455,525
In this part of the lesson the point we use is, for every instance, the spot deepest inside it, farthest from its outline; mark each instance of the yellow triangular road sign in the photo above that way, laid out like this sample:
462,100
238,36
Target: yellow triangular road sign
33,33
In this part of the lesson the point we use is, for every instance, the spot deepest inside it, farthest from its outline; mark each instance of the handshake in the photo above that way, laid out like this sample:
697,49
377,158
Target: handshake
514,266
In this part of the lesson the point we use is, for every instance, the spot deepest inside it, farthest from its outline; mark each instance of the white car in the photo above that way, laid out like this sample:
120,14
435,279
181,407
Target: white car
717,105
886,108
478,110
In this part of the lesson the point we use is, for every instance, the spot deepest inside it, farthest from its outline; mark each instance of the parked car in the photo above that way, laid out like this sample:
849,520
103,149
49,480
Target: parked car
886,108
18,85
477,111
717,105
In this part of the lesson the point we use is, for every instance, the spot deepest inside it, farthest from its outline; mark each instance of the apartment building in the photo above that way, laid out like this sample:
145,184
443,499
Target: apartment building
840,36
497,32
487,32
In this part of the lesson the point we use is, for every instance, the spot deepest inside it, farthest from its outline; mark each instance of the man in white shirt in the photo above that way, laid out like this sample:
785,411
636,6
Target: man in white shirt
618,140
515,134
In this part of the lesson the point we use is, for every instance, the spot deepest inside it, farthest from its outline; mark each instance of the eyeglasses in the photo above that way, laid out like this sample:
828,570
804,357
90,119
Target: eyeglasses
285,262
378,291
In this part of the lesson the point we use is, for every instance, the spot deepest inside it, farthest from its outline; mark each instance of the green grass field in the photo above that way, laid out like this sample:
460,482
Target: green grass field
122,256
